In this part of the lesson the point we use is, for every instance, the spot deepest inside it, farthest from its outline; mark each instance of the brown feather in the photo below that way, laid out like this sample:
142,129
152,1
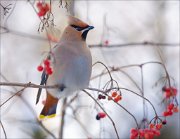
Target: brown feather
49,104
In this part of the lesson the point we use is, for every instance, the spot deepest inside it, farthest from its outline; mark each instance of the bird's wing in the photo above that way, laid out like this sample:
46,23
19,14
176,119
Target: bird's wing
44,78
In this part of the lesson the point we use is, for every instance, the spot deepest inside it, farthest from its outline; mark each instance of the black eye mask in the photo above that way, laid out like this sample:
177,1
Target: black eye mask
84,30
78,28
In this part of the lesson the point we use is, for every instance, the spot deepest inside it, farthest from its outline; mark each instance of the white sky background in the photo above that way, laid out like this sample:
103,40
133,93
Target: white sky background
128,21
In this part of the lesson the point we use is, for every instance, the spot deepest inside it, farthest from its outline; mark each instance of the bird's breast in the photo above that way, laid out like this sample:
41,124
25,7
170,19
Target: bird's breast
72,68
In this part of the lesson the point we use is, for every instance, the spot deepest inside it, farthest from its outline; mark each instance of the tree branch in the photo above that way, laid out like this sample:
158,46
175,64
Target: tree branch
63,118
3,130
28,85
145,43
134,44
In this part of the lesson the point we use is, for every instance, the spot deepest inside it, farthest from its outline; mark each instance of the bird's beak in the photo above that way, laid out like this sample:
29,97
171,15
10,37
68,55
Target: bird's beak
89,27
85,32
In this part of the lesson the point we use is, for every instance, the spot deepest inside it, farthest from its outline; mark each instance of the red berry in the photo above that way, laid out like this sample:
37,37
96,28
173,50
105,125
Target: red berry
176,109
43,8
102,114
156,132
39,5
159,126
151,126
165,113
132,137
118,98
40,68
41,13
47,7
49,71
146,136
170,113
151,135
167,94
114,94
171,106
173,91
141,133
168,89
134,133
46,62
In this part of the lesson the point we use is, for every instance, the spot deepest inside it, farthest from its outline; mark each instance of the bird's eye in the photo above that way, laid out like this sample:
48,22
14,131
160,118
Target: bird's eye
78,28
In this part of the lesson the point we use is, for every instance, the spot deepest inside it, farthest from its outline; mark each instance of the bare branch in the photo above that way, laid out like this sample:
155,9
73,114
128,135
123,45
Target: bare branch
17,93
3,130
28,85
6,8
131,44
63,118
145,43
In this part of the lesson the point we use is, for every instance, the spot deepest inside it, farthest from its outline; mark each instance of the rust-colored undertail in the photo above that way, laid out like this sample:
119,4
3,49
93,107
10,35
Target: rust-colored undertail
49,109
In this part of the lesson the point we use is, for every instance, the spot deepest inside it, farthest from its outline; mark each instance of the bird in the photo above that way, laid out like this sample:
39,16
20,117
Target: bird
72,66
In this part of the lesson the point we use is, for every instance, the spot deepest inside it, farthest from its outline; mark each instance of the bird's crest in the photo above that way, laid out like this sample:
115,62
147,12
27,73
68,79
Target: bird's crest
75,21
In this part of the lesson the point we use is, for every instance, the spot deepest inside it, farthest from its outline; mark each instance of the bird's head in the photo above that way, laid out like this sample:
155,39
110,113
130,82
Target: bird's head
77,28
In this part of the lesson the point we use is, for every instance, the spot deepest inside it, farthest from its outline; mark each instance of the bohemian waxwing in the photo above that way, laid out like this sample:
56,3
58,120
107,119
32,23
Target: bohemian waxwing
72,65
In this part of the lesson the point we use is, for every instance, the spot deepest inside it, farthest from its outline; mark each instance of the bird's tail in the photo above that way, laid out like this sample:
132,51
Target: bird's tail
49,109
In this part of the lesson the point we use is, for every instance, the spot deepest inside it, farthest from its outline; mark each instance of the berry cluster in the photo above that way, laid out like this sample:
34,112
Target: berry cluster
43,8
169,92
171,108
47,67
100,115
115,96
144,133
157,126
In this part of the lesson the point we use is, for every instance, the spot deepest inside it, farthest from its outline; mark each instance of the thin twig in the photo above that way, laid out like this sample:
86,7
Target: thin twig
141,97
39,122
63,118
29,106
114,88
114,69
17,93
119,106
5,135
145,43
105,113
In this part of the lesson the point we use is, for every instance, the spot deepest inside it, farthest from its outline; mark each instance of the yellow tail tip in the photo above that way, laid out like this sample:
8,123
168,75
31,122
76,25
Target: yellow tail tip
51,116
48,116
41,116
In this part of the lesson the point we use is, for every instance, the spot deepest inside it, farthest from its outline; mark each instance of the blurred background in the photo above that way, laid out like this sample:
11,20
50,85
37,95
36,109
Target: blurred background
116,22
